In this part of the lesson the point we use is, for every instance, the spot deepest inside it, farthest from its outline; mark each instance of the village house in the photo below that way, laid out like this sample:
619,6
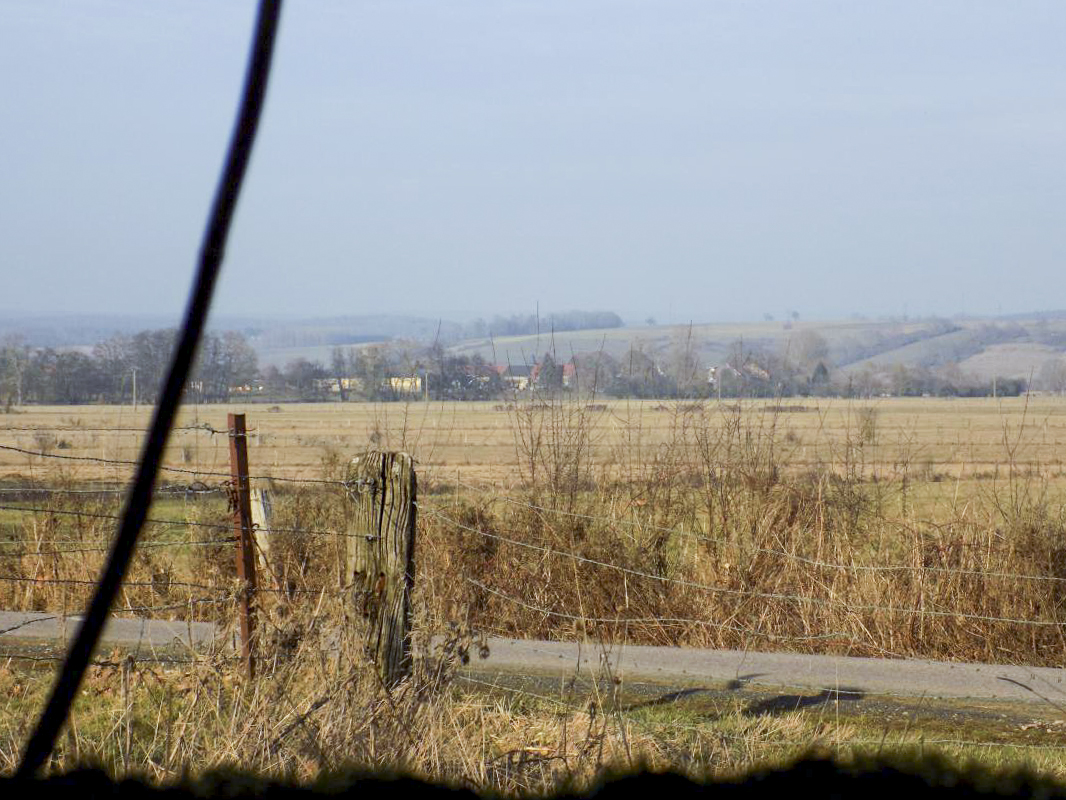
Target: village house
517,378
405,385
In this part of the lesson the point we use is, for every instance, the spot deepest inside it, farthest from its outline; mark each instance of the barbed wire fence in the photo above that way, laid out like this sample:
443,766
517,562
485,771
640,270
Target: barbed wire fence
47,551
548,551
205,486
556,613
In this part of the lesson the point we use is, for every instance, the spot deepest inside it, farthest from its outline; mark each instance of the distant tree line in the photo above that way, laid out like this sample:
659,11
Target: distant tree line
226,366
107,372
525,324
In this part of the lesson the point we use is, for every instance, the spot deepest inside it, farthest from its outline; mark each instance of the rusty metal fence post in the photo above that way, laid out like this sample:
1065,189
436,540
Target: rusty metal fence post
380,557
242,527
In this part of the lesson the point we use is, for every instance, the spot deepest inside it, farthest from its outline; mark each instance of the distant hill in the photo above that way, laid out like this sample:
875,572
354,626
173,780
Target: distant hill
265,334
354,330
1009,346
711,343
80,330
985,347
85,330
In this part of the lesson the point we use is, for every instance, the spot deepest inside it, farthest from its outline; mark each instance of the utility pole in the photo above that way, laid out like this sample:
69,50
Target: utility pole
134,370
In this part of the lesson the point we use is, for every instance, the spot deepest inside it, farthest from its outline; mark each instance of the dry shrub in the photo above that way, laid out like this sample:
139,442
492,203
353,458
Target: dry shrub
52,558
308,547
711,539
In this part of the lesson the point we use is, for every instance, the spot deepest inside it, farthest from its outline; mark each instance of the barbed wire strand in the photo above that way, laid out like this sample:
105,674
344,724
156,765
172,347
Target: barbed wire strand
771,551
137,658
746,592
102,549
205,427
627,570
178,522
160,584
663,621
107,491
126,609
613,521
180,470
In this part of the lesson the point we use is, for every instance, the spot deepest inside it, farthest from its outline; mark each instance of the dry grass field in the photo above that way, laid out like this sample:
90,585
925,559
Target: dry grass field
825,508
891,527
924,438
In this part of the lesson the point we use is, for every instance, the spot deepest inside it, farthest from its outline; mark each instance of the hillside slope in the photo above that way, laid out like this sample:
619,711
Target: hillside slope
983,347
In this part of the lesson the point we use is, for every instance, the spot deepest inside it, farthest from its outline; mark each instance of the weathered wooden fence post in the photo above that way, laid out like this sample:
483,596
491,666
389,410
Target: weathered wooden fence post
262,522
380,556
242,527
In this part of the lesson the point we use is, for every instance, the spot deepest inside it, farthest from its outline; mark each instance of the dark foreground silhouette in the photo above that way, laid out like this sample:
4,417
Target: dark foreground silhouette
810,777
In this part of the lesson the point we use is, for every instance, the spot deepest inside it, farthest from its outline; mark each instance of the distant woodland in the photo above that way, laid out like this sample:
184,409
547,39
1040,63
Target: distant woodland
862,365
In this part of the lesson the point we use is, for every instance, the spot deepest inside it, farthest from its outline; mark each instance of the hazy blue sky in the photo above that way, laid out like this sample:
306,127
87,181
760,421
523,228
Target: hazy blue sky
684,159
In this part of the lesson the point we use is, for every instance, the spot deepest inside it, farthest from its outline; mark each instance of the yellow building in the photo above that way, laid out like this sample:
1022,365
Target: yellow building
412,385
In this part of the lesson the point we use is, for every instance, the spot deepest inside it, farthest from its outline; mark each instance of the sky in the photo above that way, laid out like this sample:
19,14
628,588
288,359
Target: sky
704,160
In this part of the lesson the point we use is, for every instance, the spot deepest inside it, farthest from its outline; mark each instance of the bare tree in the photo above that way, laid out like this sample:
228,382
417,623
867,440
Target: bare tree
685,362
808,348
1053,375
340,366
14,359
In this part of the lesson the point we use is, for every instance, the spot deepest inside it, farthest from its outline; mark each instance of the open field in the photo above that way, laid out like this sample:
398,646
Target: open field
684,492
827,508
916,527
923,438
937,453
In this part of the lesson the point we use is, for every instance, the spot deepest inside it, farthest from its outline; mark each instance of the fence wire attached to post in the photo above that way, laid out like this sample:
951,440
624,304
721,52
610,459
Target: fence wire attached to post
380,557
241,503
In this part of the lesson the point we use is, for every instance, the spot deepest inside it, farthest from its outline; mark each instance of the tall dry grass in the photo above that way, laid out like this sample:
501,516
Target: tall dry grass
712,538
316,706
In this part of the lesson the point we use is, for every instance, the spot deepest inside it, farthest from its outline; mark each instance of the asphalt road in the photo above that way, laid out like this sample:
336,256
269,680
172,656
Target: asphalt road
727,669
143,637
733,669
